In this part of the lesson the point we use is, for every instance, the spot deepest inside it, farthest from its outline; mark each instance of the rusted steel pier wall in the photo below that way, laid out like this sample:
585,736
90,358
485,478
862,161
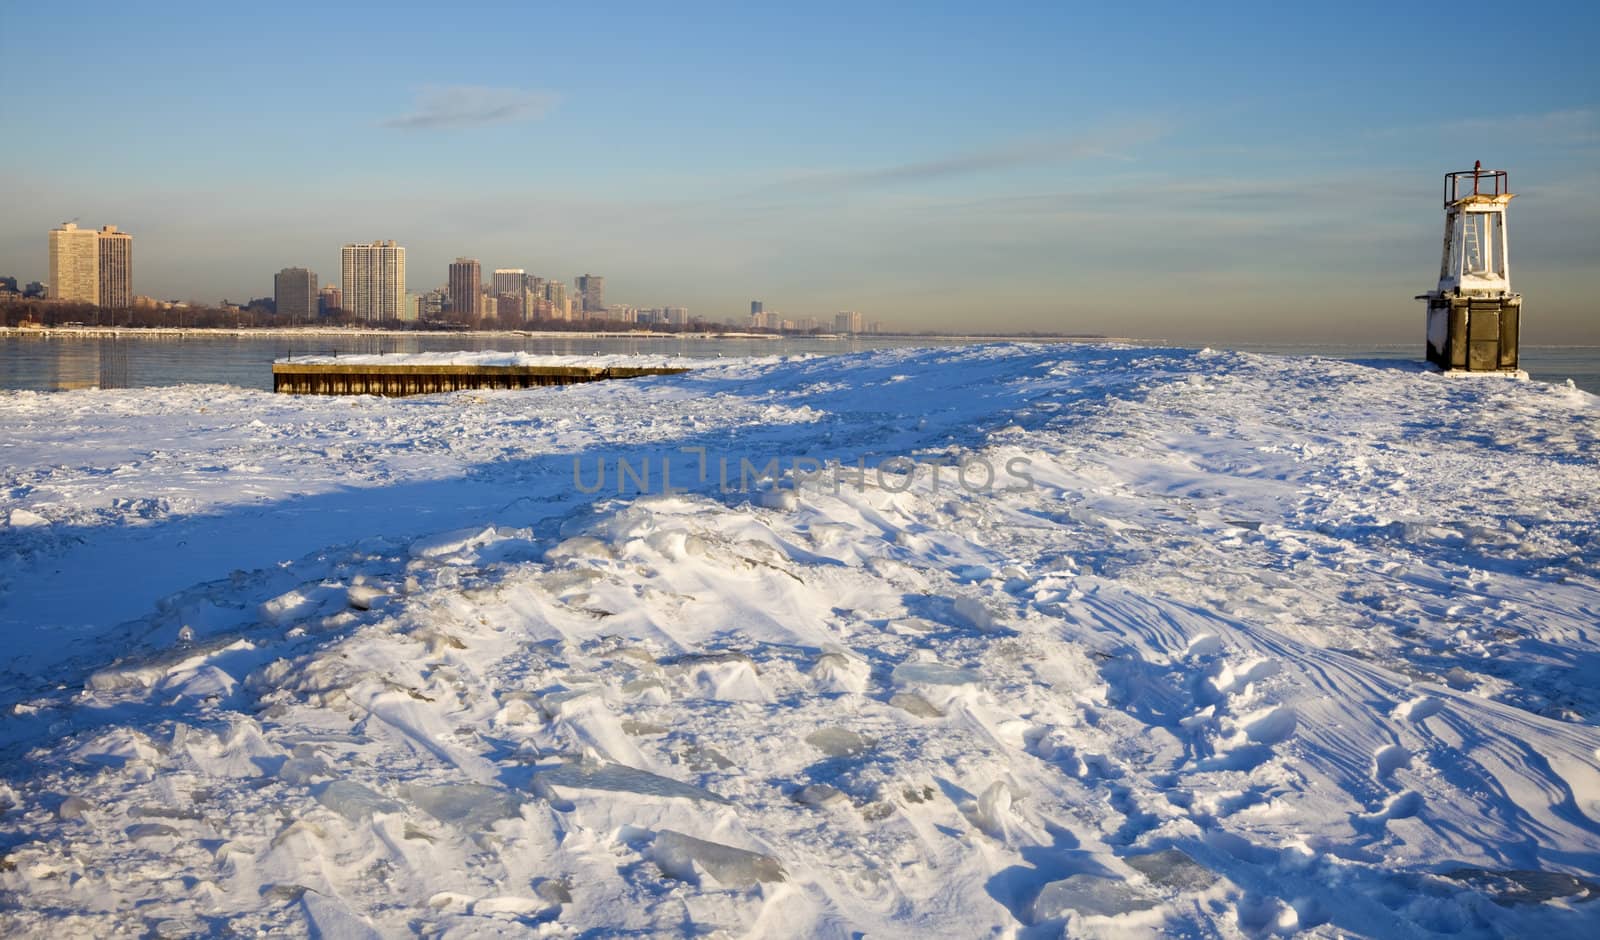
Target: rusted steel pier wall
397,380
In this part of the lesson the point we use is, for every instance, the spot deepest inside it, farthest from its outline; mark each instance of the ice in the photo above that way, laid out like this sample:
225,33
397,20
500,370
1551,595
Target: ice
23,518
451,543
932,674
364,596
1089,895
473,807
73,807
620,778
838,742
354,801
679,856
947,713
1518,886
992,811
304,767
553,890
151,831
836,672
1173,868
819,794
916,705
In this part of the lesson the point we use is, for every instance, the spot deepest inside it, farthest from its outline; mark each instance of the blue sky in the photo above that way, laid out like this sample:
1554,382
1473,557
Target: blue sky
1181,172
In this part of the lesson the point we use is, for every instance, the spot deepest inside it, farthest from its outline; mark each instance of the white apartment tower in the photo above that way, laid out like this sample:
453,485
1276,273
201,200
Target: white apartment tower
375,281
75,264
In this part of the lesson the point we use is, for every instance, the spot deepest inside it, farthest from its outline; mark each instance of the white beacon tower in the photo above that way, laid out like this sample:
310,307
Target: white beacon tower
1473,316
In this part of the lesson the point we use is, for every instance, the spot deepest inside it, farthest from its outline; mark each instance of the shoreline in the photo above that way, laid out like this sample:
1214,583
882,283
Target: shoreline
269,331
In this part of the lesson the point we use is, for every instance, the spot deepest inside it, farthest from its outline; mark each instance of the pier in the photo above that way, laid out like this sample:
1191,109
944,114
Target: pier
394,380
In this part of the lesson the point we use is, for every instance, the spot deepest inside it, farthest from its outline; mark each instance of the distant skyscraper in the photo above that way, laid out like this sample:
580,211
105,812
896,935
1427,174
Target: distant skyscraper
592,288
508,281
466,290
374,281
329,299
294,293
757,308
115,268
75,264
848,321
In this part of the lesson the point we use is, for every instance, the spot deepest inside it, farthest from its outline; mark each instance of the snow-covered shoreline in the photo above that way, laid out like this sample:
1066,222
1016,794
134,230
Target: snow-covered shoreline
1242,646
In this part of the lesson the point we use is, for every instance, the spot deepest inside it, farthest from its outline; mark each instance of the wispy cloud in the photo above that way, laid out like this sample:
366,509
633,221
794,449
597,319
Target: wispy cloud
1110,144
441,106
1572,126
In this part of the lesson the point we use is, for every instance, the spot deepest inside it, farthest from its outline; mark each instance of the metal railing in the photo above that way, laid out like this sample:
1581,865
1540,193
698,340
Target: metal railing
1483,182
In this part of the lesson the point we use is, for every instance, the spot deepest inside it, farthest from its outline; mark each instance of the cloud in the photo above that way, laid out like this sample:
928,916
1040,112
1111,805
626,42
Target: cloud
440,106
1037,152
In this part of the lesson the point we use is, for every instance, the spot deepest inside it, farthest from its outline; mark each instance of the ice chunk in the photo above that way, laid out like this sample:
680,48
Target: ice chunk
73,807
1523,886
916,705
932,674
450,543
724,676
506,904
818,794
678,855
304,767
355,802
471,806
701,758
23,519
151,831
838,742
556,891
1171,868
364,596
580,547
640,728
975,613
836,672
992,811
595,775
1092,895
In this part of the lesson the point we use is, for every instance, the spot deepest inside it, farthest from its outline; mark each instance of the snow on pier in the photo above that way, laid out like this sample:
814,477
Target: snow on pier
428,373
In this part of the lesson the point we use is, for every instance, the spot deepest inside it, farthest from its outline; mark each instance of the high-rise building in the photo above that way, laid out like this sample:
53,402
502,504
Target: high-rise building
556,293
508,281
294,294
115,268
329,299
848,321
512,309
757,308
466,291
75,264
592,288
374,281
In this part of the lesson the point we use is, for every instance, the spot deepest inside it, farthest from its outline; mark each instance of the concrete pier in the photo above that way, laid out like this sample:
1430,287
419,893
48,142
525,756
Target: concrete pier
295,378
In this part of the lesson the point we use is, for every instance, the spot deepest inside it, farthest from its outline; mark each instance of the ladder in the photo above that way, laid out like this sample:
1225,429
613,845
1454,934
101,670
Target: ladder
1473,246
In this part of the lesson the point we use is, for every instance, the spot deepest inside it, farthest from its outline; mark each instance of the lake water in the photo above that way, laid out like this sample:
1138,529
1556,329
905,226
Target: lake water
53,362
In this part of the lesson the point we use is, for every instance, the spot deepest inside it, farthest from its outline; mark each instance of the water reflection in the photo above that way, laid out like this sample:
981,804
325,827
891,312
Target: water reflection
48,362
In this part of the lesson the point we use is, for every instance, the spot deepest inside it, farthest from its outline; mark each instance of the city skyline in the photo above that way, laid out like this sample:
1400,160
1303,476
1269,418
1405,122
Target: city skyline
1156,174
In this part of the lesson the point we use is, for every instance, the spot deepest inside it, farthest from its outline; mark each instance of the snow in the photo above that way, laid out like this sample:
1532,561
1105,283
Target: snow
1224,645
491,358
